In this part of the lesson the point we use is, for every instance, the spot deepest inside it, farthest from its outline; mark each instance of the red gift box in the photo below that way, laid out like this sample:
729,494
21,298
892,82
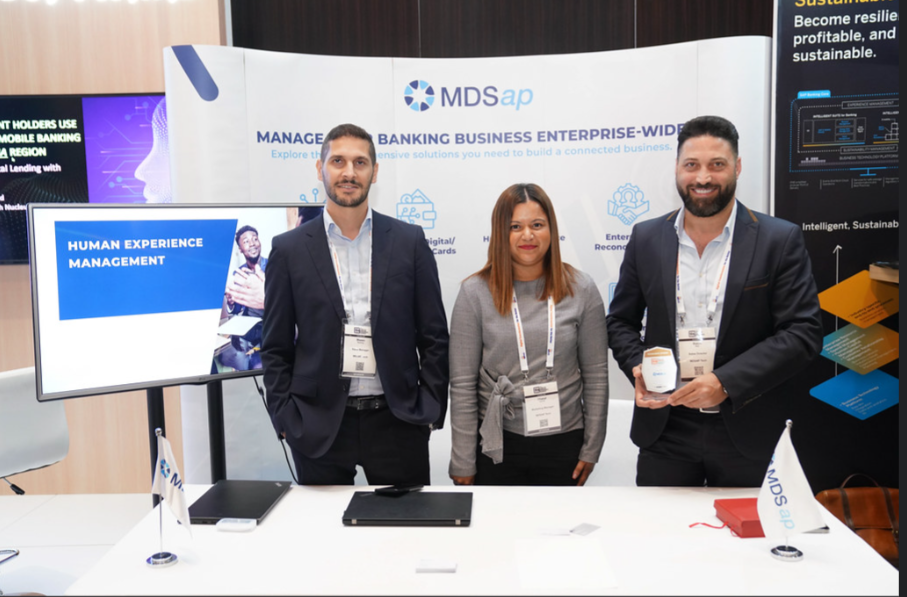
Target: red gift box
741,516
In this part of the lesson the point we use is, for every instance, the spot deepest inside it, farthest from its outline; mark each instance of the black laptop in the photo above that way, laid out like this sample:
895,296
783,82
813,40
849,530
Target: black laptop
237,499
417,508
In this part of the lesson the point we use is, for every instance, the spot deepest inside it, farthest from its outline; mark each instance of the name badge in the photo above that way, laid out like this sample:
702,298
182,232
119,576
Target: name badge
358,355
697,352
659,371
541,408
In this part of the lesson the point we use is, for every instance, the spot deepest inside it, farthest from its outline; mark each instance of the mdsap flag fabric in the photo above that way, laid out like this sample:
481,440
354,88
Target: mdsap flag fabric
786,504
168,483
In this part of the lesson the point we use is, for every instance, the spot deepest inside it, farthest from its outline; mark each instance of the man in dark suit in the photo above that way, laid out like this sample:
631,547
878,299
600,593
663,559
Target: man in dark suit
364,380
731,292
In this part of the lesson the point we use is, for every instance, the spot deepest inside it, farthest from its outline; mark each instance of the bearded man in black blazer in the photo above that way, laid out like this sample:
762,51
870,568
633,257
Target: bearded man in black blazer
738,281
364,379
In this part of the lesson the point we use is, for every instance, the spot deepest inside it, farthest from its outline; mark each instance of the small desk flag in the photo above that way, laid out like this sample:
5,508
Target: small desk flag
168,483
786,504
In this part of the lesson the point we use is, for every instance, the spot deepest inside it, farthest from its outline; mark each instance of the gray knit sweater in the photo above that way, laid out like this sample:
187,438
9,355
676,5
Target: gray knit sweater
483,339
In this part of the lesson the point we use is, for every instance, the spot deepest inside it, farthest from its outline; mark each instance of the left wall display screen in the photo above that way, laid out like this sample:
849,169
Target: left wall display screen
128,297
78,149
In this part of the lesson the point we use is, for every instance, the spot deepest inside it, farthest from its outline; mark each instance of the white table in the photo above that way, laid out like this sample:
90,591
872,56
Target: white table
645,542
60,537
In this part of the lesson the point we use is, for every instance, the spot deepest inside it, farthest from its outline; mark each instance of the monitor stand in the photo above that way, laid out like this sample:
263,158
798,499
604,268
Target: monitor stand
155,399
216,441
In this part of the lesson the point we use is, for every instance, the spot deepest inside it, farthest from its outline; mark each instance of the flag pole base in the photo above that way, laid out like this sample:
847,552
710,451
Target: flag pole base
162,559
787,553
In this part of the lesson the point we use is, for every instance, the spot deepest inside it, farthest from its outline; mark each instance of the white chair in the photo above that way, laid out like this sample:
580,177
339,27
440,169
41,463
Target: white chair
617,465
32,434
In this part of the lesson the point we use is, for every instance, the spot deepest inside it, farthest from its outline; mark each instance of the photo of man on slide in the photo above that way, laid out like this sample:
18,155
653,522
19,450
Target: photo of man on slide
245,297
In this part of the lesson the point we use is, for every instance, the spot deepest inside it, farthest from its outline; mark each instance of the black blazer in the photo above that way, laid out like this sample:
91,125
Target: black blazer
770,322
305,394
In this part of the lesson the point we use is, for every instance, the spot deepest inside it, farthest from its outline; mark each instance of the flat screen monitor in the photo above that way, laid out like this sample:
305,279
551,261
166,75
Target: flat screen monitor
78,149
136,296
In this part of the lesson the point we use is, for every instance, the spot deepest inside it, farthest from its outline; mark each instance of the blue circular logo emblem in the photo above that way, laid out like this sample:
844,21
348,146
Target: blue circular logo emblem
419,96
165,469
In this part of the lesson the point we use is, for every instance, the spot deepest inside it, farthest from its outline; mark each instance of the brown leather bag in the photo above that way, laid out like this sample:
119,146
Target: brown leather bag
870,512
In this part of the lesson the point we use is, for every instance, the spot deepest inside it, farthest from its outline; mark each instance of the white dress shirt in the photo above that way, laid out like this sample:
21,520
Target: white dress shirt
354,257
698,276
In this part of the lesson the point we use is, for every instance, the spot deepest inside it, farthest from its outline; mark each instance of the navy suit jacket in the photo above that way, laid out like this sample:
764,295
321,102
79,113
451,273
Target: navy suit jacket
306,395
770,322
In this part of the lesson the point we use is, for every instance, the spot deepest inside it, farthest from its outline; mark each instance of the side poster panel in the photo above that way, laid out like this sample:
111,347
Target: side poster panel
836,174
597,131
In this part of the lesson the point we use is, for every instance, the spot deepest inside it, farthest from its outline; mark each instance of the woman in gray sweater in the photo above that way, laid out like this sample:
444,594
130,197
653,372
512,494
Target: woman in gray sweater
528,357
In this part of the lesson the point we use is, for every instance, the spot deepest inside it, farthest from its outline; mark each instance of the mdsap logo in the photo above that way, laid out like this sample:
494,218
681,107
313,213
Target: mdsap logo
778,498
419,95
172,479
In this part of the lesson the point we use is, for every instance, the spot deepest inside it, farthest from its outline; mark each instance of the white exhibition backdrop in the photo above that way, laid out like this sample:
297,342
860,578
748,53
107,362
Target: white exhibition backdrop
434,170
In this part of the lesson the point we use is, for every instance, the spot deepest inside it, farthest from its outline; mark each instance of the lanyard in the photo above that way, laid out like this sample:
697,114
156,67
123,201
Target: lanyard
521,340
347,308
716,291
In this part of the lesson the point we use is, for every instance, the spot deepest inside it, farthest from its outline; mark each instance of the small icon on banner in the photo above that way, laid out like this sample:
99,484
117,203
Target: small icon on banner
304,199
416,208
628,203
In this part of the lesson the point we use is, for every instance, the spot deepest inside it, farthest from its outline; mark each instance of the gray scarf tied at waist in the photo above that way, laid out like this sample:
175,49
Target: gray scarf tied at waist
504,398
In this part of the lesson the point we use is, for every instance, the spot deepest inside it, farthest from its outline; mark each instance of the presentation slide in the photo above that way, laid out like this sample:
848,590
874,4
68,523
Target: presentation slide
136,296
42,159
78,149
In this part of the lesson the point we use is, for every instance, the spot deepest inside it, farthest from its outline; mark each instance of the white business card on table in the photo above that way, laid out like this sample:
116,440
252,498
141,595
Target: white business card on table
584,529
436,565
236,525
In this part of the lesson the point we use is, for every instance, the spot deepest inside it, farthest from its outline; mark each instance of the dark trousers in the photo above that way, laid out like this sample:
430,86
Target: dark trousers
534,460
389,450
695,450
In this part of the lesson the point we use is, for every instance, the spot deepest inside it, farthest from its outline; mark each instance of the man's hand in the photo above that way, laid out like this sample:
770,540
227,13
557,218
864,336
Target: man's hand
582,471
470,480
702,392
645,398
247,288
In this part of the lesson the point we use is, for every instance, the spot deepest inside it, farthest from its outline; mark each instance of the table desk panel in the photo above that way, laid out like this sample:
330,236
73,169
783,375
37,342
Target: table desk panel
644,541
